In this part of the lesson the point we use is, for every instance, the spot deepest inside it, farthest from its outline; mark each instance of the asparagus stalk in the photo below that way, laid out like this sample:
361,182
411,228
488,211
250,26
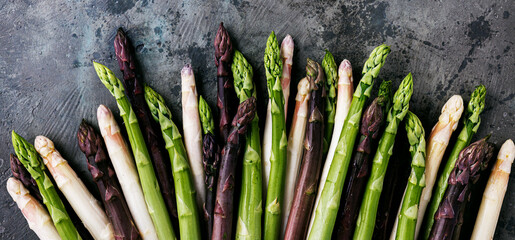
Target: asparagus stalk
407,217
223,214
286,51
135,92
123,164
345,91
189,219
493,195
82,201
331,74
372,121
367,214
437,143
327,208
251,198
92,145
21,174
295,146
35,214
211,161
307,182
275,190
223,60
192,132
32,162
471,162
151,191
471,124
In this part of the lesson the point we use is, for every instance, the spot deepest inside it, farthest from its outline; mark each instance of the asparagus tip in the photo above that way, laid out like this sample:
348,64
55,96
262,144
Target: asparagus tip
287,47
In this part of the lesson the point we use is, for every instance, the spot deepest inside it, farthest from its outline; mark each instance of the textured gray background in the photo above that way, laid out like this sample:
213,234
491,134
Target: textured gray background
48,83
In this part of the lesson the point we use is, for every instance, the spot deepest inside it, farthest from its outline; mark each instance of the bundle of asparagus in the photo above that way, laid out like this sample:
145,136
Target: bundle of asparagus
371,124
126,172
471,124
368,211
34,165
189,223
91,144
223,214
154,200
135,93
307,181
471,162
326,210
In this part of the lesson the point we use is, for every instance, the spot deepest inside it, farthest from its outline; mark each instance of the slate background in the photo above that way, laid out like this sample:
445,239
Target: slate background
48,83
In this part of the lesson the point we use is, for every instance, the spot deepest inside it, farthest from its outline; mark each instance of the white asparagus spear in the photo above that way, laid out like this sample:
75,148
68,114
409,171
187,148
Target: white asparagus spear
193,132
126,172
37,216
82,201
295,150
436,145
493,196
287,56
343,101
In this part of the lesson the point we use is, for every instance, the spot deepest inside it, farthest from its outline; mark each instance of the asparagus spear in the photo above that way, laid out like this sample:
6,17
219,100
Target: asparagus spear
135,92
92,145
367,213
331,74
471,162
211,161
470,126
437,143
295,147
327,208
223,60
189,223
372,121
287,47
223,214
192,132
154,200
493,195
34,165
35,214
251,198
407,217
82,201
275,190
21,174
345,91
307,182
123,164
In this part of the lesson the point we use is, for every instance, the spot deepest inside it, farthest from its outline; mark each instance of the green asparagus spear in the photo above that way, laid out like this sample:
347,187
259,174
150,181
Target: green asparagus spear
367,214
274,196
417,180
189,223
32,162
155,202
470,126
331,74
250,210
327,208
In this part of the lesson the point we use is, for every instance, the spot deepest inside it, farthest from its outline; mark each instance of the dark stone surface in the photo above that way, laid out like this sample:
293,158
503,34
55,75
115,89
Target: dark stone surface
48,83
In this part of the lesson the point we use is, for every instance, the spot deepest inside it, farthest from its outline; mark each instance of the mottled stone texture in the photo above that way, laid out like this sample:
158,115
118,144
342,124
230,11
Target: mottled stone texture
48,83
